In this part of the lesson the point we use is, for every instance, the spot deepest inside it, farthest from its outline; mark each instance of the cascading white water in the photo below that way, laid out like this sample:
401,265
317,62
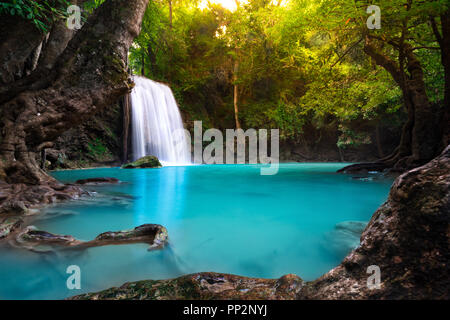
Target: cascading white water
157,128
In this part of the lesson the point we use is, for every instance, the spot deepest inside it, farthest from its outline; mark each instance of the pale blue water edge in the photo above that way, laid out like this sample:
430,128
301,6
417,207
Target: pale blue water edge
223,218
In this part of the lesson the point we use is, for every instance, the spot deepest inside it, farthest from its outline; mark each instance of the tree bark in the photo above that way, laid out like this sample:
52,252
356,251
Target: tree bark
153,63
89,74
236,94
420,141
170,14
444,42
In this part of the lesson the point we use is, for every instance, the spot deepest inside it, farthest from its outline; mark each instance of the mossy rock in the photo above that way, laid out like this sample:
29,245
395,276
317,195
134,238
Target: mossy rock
144,162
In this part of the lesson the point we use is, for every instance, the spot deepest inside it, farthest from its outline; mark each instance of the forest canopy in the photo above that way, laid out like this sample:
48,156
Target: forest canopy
311,68
294,62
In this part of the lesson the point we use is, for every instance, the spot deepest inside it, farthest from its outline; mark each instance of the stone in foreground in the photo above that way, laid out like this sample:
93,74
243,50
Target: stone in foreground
144,162
203,286
40,241
153,234
32,238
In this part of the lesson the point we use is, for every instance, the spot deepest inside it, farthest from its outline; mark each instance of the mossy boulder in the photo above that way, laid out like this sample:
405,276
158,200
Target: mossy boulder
203,286
144,162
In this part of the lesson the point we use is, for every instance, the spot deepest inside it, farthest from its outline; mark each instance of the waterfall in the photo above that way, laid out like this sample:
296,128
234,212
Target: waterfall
157,128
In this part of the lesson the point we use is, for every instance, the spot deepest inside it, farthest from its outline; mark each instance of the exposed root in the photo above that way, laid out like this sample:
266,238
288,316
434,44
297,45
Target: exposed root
20,198
35,240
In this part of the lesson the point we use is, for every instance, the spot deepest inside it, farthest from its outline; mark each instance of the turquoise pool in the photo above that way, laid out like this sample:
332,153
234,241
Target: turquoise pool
224,218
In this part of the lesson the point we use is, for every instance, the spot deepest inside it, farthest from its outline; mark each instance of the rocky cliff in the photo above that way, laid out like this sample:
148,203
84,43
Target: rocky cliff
96,142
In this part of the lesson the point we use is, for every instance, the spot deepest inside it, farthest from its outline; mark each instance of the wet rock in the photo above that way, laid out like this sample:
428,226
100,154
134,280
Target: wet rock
55,158
154,234
407,238
9,225
19,199
14,206
144,162
204,286
362,168
94,181
33,239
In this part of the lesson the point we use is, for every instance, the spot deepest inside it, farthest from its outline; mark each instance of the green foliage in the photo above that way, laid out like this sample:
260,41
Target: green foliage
298,62
97,149
349,137
43,13
40,13
91,5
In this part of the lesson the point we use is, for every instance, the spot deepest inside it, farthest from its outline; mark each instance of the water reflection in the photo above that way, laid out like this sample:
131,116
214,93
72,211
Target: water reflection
161,196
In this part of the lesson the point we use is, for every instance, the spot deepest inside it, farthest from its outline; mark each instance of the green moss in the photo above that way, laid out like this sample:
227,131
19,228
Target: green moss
97,149
144,162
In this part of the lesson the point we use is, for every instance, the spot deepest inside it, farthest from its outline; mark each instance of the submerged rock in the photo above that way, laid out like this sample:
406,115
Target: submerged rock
204,286
345,237
94,181
154,234
33,239
144,162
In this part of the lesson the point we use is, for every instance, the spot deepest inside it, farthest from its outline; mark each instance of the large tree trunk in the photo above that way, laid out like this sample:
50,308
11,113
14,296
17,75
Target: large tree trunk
420,141
77,76
444,42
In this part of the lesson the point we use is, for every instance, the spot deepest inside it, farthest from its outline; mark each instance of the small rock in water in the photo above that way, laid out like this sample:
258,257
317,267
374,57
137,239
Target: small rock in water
97,180
144,162
154,234
33,239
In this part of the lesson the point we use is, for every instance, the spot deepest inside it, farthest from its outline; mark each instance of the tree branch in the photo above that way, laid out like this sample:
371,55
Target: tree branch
435,29
384,61
346,52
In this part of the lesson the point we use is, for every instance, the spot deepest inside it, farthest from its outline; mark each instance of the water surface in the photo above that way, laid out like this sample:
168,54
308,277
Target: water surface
223,218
